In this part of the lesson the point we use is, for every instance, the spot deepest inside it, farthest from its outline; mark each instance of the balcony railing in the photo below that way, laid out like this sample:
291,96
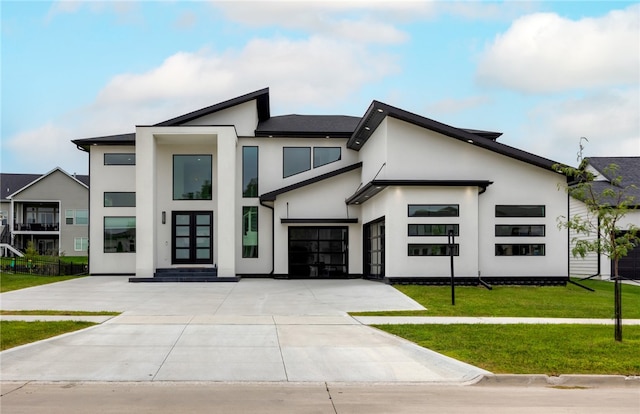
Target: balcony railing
36,227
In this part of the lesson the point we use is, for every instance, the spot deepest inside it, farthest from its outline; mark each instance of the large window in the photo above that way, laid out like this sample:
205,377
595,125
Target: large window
295,160
250,232
120,159
192,177
520,250
119,234
520,230
325,155
519,211
433,229
432,250
116,199
434,210
249,171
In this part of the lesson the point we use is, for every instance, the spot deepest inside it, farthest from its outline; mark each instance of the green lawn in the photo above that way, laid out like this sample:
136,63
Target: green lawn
15,333
15,281
531,349
522,301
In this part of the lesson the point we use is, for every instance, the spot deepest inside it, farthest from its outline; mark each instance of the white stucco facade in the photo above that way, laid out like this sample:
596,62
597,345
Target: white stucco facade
327,205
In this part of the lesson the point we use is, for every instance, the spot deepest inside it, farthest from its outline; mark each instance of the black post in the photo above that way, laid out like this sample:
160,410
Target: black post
618,308
451,242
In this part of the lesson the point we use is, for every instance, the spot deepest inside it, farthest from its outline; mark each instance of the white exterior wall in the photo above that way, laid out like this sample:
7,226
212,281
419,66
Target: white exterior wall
243,117
579,266
108,178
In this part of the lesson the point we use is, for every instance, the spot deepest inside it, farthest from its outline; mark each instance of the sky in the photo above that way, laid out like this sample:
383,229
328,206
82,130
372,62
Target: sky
544,73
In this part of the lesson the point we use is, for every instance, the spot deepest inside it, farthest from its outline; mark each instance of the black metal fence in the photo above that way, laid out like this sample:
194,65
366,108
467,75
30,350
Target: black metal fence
43,267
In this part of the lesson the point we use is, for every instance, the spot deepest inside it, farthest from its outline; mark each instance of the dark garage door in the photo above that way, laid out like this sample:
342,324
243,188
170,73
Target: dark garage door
318,252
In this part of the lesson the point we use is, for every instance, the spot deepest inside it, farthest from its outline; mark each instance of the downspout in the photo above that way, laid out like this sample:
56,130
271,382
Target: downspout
273,236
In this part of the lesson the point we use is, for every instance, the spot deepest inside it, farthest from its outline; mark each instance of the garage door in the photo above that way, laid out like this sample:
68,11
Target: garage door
318,252
629,266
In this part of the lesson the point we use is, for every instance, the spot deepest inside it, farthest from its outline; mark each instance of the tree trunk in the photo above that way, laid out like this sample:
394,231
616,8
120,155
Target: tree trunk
617,302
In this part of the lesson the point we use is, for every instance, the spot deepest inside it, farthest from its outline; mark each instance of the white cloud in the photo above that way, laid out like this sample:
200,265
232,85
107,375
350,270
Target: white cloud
544,52
452,105
609,120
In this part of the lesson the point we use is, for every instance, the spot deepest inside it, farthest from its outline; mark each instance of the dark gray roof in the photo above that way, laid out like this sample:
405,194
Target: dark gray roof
312,126
629,171
10,183
120,139
377,111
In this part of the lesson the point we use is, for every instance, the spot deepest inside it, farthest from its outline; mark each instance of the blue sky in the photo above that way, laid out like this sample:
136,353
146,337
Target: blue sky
543,73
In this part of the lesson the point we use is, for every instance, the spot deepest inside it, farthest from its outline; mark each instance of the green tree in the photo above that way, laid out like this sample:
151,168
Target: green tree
606,204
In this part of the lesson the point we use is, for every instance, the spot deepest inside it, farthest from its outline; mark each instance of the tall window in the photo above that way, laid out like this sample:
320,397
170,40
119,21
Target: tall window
120,159
119,234
192,177
295,160
118,199
250,232
325,155
249,171
434,210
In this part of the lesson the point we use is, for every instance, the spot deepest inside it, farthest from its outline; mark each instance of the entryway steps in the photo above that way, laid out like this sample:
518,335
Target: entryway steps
185,274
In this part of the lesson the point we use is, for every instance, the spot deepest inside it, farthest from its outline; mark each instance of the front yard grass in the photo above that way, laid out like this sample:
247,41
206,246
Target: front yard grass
15,281
531,349
521,301
15,333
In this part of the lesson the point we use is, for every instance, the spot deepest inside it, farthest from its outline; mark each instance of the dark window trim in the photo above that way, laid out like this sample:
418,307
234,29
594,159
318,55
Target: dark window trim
299,172
257,171
544,210
173,166
313,156
257,251
456,233
104,158
457,206
104,197
456,248
544,230
544,249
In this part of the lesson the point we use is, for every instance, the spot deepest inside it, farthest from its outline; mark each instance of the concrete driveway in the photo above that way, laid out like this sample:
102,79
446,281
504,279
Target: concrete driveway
254,330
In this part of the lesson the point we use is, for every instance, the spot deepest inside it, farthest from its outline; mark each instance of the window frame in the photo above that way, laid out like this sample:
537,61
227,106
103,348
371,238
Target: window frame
173,177
252,211
257,167
455,226
104,233
104,159
521,206
544,230
409,207
84,241
531,249
284,159
313,156
456,247
104,198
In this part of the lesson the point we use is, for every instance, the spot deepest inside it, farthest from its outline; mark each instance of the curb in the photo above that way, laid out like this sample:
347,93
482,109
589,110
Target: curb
562,381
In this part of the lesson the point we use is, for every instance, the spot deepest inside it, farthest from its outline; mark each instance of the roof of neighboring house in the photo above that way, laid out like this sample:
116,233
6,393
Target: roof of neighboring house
628,170
12,183
378,111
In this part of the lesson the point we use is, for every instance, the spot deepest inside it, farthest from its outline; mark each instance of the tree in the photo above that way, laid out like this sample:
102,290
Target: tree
607,202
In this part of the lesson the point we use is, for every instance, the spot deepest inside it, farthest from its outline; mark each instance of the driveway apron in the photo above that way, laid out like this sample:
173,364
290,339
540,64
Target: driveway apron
254,330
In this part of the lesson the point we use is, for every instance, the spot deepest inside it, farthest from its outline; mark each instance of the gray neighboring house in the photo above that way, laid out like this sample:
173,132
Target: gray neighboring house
599,265
51,210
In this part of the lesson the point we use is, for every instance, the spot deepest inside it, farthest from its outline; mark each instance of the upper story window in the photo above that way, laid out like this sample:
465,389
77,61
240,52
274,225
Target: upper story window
325,155
120,159
520,211
249,171
434,210
192,177
119,199
295,160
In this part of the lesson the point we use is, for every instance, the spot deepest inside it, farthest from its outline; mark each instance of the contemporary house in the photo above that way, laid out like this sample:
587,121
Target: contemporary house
50,210
386,196
593,264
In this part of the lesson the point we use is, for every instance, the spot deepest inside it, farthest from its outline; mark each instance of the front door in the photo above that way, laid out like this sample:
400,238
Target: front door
192,237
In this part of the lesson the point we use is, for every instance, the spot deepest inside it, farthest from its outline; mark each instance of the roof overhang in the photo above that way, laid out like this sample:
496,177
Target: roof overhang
374,187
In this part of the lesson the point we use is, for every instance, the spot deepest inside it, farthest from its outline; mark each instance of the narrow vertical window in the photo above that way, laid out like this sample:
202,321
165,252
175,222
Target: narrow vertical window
249,171
250,232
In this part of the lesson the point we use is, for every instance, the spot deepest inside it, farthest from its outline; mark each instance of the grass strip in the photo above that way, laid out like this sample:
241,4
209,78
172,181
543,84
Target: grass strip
15,333
521,301
11,281
531,349
58,313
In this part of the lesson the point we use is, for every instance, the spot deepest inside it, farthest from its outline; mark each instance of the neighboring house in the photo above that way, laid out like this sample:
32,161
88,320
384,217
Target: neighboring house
599,265
232,187
50,210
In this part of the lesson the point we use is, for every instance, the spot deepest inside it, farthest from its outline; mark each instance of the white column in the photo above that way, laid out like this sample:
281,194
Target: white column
226,209
145,202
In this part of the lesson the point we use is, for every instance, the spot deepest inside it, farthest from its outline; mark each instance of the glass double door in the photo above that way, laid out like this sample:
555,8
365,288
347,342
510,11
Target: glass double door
192,237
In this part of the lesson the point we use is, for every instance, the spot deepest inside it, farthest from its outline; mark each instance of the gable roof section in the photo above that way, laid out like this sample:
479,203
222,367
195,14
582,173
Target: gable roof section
10,183
378,111
271,196
41,177
261,96
308,126
629,172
